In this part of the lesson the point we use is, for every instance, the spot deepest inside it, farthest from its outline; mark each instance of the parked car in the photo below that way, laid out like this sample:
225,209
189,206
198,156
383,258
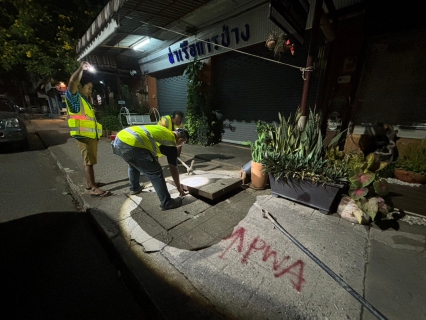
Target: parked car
12,101
34,109
12,126
21,109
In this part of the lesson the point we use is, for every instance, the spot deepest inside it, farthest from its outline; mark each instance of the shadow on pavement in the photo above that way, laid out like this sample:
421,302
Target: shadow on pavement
53,137
54,266
209,157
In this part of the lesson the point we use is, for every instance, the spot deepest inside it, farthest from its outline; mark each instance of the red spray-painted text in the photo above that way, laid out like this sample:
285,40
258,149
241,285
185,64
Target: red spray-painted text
279,268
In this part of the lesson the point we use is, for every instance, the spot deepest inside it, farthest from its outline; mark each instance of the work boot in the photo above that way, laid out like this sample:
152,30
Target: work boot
175,204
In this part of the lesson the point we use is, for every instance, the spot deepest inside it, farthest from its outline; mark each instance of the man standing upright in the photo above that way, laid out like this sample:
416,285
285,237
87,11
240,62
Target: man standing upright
83,125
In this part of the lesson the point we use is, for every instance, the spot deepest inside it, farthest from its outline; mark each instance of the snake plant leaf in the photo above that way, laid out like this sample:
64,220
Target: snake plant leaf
358,193
381,187
371,207
335,139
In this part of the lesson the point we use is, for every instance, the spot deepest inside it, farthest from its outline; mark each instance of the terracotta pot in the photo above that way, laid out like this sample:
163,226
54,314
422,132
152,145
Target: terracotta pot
258,178
409,176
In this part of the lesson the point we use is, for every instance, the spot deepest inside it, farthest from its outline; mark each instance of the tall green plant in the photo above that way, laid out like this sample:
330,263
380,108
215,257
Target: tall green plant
260,146
299,152
413,159
198,107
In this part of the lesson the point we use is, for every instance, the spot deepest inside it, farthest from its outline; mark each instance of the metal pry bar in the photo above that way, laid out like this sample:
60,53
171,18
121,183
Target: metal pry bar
188,169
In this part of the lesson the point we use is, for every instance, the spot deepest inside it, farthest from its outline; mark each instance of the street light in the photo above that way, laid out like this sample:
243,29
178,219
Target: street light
141,43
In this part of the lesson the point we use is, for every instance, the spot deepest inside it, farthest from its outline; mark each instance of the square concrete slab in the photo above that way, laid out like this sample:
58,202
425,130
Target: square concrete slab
210,185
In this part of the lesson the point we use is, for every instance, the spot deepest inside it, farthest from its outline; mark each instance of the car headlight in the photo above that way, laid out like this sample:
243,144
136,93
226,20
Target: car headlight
12,123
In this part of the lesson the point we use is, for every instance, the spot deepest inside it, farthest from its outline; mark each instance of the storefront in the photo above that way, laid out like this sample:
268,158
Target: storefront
246,86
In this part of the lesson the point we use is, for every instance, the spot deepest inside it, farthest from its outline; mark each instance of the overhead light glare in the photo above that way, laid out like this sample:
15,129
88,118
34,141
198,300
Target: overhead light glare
141,43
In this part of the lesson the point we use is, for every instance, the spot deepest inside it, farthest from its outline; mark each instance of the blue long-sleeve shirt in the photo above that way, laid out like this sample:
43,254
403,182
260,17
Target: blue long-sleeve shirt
74,104
74,101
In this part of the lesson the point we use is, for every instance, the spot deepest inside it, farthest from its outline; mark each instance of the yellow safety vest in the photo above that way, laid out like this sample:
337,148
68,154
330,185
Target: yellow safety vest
168,123
84,122
148,137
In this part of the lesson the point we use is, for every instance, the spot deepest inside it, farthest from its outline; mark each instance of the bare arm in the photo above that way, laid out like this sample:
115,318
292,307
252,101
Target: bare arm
175,175
76,77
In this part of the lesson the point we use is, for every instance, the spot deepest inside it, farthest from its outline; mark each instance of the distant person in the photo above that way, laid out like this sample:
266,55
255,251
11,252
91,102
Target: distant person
110,95
140,147
173,122
83,125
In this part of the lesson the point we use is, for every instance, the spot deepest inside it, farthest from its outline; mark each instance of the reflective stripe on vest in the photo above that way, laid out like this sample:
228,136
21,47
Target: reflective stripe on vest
81,117
137,137
148,137
82,129
83,125
151,139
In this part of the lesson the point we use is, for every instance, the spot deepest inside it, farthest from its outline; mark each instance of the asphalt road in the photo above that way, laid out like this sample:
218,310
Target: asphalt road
53,265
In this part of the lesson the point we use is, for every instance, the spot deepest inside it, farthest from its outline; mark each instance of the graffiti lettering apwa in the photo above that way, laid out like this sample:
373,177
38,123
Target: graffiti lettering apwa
280,267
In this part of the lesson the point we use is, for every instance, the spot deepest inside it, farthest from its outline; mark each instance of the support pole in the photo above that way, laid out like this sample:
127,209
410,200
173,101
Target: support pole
309,62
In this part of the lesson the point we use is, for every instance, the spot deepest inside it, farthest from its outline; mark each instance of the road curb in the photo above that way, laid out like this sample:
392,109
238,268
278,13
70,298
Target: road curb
113,236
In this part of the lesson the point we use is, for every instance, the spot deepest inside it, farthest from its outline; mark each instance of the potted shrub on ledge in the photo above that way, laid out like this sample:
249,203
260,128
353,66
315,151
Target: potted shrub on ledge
258,150
299,167
411,165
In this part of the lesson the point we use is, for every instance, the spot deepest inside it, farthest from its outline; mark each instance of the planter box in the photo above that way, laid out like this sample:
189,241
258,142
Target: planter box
325,197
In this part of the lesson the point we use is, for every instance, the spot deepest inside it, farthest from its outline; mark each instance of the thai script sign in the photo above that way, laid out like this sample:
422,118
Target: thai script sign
188,51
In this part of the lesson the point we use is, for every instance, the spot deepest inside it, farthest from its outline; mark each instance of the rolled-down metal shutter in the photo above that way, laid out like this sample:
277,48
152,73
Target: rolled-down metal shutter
172,92
247,89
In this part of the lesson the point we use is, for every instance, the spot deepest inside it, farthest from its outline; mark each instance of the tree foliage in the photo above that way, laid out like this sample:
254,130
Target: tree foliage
40,36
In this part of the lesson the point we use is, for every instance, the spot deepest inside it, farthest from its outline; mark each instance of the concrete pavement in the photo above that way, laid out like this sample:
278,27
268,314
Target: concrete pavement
216,260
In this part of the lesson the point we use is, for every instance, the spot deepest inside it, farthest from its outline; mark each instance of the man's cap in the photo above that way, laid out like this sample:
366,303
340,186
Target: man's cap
184,133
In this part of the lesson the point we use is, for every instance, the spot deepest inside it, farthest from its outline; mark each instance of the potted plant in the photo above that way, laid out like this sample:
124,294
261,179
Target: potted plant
279,43
258,150
411,164
367,190
299,167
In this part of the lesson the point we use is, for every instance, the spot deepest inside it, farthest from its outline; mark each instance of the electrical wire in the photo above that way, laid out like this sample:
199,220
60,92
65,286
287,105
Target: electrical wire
335,277
301,69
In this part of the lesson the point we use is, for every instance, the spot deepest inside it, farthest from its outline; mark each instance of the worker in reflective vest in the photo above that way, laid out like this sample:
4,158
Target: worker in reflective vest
83,125
140,147
173,122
